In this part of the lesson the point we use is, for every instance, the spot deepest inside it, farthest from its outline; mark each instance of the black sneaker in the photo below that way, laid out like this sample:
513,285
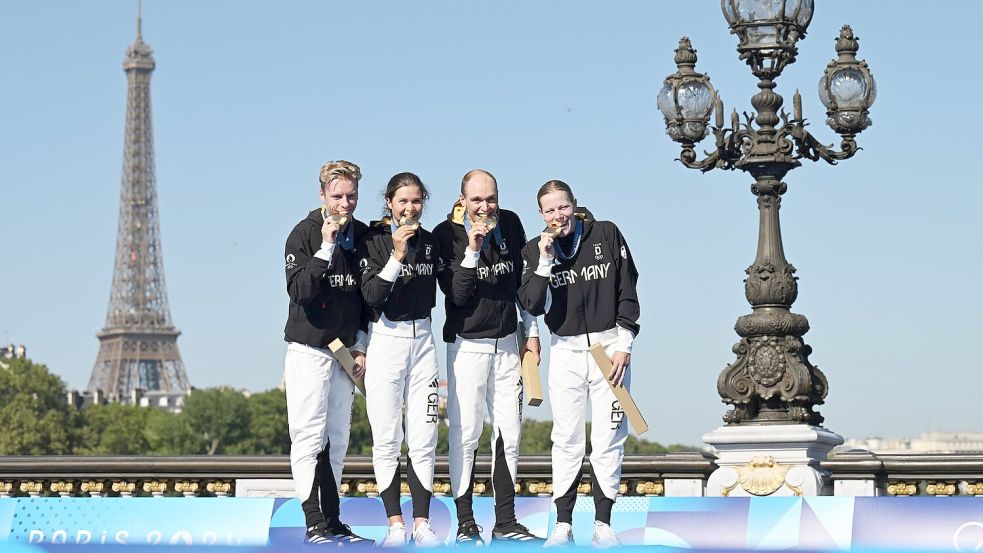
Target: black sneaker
342,533
513,531
319,534
469,534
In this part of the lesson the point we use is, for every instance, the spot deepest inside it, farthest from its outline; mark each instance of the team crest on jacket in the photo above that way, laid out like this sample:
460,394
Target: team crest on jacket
597,252
503,247
624,252
426,252
291,261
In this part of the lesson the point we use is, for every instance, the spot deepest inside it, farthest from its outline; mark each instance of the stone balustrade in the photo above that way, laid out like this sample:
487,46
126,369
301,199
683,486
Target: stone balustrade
850,473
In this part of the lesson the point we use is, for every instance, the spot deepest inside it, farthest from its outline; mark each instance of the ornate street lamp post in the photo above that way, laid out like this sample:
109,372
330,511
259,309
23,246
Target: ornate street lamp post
772,385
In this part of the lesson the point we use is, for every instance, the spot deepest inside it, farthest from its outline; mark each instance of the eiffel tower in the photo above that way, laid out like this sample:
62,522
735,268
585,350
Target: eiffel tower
138,353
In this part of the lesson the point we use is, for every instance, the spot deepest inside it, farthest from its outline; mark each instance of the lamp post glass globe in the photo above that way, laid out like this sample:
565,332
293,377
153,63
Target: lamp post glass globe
686,98
686,106
848,88
667,103
767,31
695,100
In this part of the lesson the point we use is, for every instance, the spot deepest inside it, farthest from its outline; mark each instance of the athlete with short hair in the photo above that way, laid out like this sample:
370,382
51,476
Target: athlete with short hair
581,276
325,304
480,256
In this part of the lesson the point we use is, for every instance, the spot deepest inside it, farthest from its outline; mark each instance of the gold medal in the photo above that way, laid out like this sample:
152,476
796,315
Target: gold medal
553,229
490,220
334,217
409,221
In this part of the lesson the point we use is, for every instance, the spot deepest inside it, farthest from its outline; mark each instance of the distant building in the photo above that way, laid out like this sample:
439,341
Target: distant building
928,442
13,352
169,401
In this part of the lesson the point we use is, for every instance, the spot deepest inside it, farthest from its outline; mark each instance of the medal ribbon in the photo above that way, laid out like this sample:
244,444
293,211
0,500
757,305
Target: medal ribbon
578,233
346,239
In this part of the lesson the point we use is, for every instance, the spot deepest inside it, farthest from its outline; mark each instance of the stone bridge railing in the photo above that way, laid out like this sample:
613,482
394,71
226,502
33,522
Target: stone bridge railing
852,473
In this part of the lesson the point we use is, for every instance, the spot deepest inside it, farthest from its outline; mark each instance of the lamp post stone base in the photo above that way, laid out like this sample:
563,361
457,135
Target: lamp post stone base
778,460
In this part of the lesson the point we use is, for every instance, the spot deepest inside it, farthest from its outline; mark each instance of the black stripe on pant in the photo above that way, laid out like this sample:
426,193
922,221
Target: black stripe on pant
418,493
602,504
323,504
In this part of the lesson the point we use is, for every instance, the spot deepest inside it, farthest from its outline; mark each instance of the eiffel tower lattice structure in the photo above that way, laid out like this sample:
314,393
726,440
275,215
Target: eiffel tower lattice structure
138,352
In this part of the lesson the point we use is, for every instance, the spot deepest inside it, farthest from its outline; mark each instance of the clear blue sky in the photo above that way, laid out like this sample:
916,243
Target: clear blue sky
250,98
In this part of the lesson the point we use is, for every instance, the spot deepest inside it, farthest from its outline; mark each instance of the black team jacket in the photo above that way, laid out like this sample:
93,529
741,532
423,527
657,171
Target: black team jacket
414,293
480,302
591,292
325,302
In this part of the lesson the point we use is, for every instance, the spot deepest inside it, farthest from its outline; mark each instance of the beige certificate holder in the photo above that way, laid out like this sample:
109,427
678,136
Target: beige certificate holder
347,362
532,385
635,417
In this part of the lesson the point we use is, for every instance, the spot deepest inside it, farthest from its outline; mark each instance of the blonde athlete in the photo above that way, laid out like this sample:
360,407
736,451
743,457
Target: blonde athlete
325,304
583,281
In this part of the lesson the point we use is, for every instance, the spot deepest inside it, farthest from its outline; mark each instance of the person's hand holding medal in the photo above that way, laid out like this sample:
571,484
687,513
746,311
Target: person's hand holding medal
333,221
552,231
408,223
481,227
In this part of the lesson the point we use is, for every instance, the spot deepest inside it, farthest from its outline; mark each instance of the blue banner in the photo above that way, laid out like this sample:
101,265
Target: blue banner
701,523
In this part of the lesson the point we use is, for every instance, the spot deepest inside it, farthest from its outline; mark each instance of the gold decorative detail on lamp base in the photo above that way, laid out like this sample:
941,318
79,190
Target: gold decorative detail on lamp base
972,488
941,488
345,488
219,488
762,475
32,487
124,488
479,488
62,487
902,489
188,488
583,488
404,489
155,488
92,487
5,487
650,488
623,488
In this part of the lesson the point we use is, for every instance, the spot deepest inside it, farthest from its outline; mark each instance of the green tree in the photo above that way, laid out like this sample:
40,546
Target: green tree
34,414
268,433
360,441
171,434
536,437
218,419
113,429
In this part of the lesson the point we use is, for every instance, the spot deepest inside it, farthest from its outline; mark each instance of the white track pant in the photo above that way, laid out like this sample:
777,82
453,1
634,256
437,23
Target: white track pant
573,377
319,414
402,371
483,377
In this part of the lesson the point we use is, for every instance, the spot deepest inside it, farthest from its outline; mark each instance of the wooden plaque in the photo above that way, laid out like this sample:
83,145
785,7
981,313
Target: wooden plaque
347,362
627,403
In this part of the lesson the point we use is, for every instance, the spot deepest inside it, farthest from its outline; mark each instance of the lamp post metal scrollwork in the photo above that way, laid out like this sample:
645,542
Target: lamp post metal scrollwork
772,380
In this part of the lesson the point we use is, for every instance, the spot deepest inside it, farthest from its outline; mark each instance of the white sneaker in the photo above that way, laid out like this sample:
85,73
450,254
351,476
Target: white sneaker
424,536
604,536
562,535
395,536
